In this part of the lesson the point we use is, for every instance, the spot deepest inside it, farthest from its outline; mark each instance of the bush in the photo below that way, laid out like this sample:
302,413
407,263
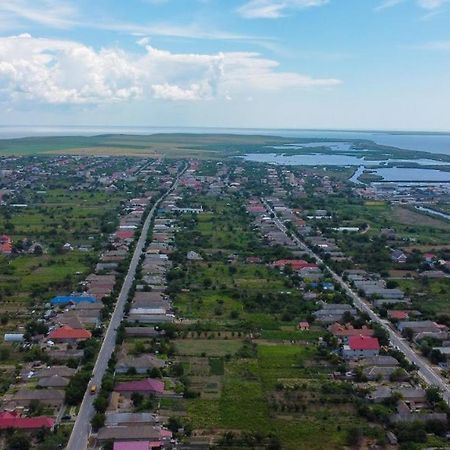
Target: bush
98,421
77,387
18,442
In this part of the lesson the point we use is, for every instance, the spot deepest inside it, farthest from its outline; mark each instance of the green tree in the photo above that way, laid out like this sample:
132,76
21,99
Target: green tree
77,387
18,442
98,421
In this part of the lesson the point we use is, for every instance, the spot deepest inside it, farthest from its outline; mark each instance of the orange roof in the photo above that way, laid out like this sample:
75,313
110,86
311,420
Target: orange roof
345,331
67,332
6,248
400,315
296,264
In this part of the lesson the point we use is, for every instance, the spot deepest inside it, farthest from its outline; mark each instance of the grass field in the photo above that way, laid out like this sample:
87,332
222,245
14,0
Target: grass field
53,217
249,387
292,334
408,217
240,392
59,215
169,145
208,347
431,297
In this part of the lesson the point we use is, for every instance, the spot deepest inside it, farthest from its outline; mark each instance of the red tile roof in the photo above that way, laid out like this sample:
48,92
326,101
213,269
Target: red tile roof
303,325
256,209
6,248
124,234
400,315
11,420
363,343
296,264
67,332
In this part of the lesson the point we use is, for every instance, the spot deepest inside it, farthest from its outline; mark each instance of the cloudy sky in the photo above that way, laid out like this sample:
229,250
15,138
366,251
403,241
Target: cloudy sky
354,64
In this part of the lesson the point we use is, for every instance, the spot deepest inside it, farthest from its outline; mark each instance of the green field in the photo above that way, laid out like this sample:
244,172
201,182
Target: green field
170,145
52,218
247,400
263,385
213,347
431,297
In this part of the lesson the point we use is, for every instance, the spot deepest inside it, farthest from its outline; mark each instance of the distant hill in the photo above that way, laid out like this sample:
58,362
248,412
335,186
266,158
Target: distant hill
171,145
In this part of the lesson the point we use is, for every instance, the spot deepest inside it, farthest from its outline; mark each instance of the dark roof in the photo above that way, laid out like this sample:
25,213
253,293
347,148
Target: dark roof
39,394
62,371
53,381
131,433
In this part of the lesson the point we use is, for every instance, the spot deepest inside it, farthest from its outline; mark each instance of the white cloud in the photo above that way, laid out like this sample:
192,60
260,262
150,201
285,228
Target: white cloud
273,9
64,14
436,45
168,91
66,72
52,13
386,4
429,5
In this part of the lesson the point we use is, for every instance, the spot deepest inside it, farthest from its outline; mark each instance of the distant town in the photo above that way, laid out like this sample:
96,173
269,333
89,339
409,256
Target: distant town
206,302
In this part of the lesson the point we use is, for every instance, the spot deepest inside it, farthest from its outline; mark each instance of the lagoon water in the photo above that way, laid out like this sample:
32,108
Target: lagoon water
434,212
426,142
320,159
388,173
405,174
315,159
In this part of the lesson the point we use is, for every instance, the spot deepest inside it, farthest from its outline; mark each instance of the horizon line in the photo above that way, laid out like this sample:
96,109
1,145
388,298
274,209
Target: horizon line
173,127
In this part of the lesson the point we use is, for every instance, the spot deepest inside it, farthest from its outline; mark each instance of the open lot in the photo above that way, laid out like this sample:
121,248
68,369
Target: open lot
431,297
250,402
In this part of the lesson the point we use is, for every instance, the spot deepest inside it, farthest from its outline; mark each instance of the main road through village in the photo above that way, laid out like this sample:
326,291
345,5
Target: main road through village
425,369
80,433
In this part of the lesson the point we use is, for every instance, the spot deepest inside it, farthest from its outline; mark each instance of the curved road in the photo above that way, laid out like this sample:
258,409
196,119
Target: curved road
80,433
425,369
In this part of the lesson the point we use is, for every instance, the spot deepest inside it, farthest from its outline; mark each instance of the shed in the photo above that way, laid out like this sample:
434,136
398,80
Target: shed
13,337
66,299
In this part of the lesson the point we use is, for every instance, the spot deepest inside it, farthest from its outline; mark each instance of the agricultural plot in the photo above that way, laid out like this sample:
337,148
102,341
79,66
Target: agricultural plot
53,218
60,216
350,212
215,289
266,382
282,391
431,297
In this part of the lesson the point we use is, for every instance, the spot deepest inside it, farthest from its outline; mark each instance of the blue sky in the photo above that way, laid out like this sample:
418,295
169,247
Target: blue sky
353,64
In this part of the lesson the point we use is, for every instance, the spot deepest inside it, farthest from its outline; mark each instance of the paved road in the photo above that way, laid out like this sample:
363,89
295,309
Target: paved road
425,369
80,433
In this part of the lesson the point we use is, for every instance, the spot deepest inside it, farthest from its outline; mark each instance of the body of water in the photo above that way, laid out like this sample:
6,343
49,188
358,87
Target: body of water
358,172
405,174
388,173
320,159
434,212
315,159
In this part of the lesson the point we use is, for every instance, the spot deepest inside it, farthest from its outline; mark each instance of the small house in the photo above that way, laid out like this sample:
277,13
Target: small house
361,347
69,334
303,326
398,257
